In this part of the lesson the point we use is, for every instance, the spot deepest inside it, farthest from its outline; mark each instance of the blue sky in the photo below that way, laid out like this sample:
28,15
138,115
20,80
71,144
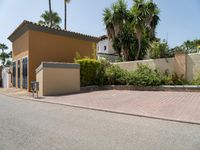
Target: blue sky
179,18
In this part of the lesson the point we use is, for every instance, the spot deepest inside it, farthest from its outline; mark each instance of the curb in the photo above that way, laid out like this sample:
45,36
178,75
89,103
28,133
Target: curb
105,110
185,88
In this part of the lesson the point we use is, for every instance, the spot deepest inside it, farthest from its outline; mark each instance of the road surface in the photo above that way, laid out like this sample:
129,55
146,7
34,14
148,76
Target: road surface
28,125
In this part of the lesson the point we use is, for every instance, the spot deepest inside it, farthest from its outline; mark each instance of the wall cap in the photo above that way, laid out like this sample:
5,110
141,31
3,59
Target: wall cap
57,65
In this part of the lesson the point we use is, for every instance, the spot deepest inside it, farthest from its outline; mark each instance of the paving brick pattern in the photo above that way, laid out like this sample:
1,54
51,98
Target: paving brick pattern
180,106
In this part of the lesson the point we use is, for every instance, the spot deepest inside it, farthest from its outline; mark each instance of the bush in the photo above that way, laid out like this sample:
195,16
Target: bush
101,77
116,76
89,71
196,81
92,71
144,76
178,80
174,79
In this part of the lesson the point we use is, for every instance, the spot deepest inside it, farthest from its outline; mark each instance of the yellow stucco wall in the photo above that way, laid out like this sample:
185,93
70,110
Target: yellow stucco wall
58,81
20,50
39,78
55,48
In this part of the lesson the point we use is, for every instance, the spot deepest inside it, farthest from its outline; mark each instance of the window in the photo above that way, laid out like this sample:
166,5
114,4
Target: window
18,73
24,73
105,48
14,74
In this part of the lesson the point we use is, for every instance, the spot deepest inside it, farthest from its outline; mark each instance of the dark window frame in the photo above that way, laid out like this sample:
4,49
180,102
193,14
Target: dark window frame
14,74
25,72
19,73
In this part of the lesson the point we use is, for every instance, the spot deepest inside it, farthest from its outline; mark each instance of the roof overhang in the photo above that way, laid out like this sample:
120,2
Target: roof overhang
26,25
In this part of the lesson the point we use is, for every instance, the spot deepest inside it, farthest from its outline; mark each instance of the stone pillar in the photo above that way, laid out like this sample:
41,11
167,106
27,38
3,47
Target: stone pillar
180,64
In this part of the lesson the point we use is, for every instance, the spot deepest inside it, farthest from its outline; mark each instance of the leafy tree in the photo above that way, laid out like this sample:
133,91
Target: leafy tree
50,19
191,46
65,4
159,49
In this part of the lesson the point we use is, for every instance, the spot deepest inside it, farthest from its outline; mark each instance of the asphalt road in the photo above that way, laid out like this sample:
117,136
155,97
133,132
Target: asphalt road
27,125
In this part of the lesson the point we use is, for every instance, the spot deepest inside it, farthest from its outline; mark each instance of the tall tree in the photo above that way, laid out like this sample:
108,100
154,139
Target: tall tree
145,19
50,14
4,55
115,19
131,31
65,5
52,20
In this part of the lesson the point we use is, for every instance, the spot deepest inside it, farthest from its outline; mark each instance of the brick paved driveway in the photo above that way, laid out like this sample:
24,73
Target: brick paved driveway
180,106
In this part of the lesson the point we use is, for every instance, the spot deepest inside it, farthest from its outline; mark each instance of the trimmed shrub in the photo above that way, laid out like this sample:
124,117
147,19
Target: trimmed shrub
89,71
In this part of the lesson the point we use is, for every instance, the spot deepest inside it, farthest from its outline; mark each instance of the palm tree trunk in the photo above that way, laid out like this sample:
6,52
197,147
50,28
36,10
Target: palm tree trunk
139,37
65,14
50,13
126,51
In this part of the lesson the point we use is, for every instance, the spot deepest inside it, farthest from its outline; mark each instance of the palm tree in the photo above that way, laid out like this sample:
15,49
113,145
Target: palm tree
3,55
52,20
65,4
50,13
3,47
115,19
145,19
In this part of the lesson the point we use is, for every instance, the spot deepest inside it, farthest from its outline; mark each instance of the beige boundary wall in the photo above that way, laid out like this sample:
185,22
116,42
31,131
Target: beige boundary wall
58,78
184,65
193,66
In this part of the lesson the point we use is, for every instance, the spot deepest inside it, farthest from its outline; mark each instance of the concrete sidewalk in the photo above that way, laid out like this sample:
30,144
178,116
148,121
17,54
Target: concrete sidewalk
176,106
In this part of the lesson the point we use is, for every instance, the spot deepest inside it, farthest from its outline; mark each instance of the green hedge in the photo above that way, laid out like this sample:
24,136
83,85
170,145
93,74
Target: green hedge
88,71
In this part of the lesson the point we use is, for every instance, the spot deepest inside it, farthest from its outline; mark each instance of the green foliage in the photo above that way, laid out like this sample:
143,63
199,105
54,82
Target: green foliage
159,50
116,76
4,55
89,71
174,79
191,46
101,75
197,80
101,72
178,80
144,76
52,20
131,30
